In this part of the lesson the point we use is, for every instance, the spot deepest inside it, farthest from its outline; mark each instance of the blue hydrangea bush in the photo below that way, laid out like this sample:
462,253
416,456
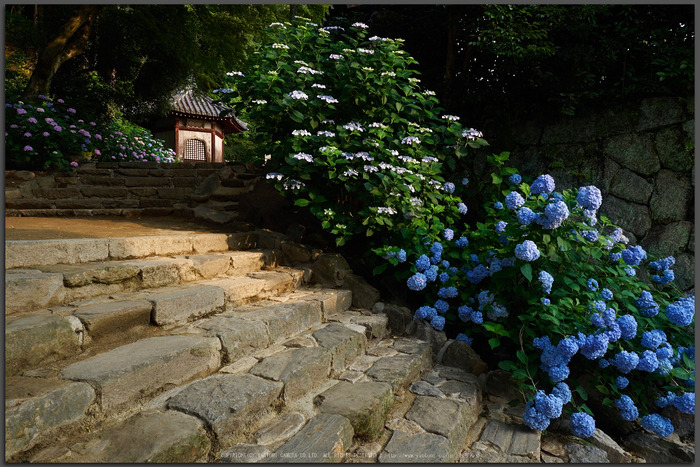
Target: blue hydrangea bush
546,274
349,133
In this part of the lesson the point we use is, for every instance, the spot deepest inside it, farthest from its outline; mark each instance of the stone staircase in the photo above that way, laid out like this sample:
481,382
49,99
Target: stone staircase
241,347
191,347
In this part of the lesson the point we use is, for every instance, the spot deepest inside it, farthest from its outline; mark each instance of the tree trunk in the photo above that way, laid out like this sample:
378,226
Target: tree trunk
67,43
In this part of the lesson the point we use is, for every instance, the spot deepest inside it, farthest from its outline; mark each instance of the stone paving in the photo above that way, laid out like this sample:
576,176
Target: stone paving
228,356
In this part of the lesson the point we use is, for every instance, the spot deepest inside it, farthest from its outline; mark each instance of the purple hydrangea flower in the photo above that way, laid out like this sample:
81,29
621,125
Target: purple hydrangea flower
545,301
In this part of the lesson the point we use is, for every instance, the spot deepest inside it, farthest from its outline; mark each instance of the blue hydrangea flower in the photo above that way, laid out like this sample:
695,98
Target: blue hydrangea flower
628,326
598,305
613,332
527,251
416,282
621,382
603,363
597,320
606,294
628,411
541,342
477,317
465,181
425,312
444,277
545,301
477,274
665,278
665,351
498,205
682,311
646,304
548,405
461,337
449,187
592,285
590,235
653,339
447,292
423,263
582,424
526,216
554,215
663,264
441,306
542,184
547,280
562,391
438,323
484,298
448,234
464,312
609,316
634,255
462,242
593,347
625,361
648,362
431,273
515,179
655,423
462,208
630,271
534,419
567,348
401,256
589,197
514,200
685,403
497,311
614,257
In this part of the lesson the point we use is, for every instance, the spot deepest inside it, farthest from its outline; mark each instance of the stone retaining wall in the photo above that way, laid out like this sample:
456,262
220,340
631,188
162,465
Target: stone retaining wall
109,188
640,156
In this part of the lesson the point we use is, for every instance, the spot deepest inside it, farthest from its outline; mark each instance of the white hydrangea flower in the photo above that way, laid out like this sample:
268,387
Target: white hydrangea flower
471,134
302,156
280,46
353,126
301,133
234,73
329,99
351,173
410,140
360,25
259,101
274,175
365,51
298,95
452,118
318,86
389,73
386,210
328,134
280,25
335,56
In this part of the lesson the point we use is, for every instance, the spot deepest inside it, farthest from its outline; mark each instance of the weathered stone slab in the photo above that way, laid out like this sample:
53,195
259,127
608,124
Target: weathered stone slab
245,262
666,240
423,388
330,269
615,453
629,186
514,440
481,453
79,275
333,301
153,436
365,404
659,111
239,337
280,430
37,339
634,151
286,319
670,145
460,355
657,450
301,370
161,272
113,317
324,439
635,218
27,291
238,290
177,305
227,403
23,253
208,266
26,421
399,318
343,344
205,243
375,325
672,195
399,370
446,417
579,454
275,282
364,295
136,370
418,448
469,392
245,454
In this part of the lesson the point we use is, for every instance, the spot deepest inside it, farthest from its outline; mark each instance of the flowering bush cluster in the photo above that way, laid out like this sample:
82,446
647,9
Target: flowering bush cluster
350,133
543,272
47,133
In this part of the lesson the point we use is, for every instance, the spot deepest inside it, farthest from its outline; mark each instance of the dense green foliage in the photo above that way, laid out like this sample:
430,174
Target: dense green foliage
350,132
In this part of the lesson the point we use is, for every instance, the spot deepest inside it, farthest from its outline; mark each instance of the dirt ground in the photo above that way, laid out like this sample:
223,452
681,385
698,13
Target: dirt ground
44,228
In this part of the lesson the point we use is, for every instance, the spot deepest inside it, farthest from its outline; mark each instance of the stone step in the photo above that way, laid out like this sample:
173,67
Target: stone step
28,290
31,253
